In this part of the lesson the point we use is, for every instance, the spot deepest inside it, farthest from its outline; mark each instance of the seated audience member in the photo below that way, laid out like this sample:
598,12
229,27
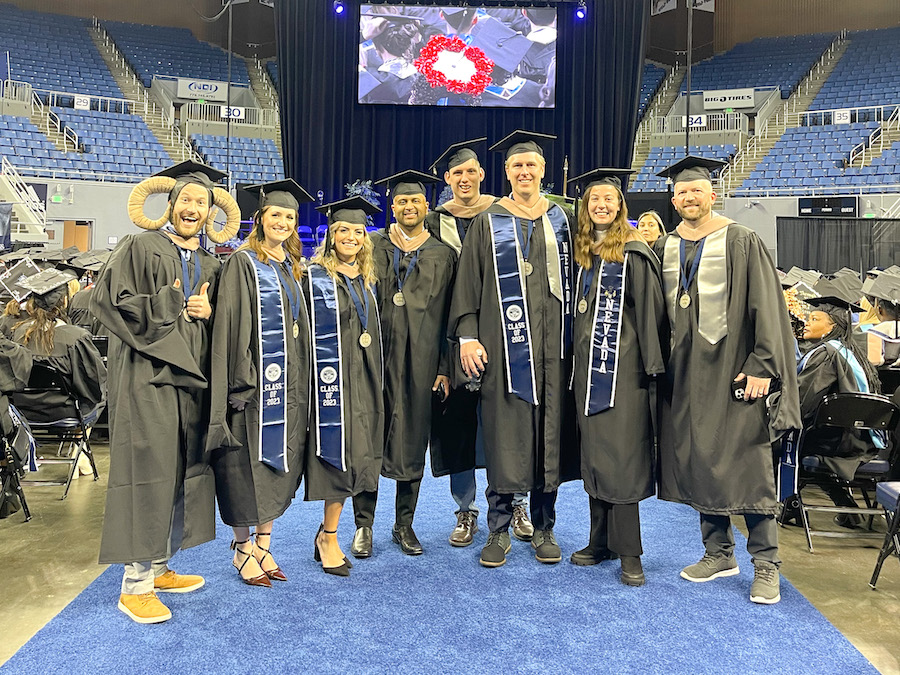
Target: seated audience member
650,227
835,364
884,333
10,317
44,331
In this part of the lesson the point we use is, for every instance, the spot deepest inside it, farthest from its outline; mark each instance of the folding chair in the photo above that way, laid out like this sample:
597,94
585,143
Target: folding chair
12,469
854,412
70,433
887,494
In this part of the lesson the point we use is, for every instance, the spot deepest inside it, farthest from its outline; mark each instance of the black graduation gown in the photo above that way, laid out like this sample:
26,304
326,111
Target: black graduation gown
80,313
415,348
158,400
248,491
617,444
827,372
454,422
361,379
715,453
76,357
15,370
526,447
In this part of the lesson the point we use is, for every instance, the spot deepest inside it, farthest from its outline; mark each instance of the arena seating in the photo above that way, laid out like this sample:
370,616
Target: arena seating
651,78
661,157
868,73
122,143
813,157
54,52
272,69
774,61
250,160
173,52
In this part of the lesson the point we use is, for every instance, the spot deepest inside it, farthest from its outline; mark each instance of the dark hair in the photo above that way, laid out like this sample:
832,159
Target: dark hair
541,16
463,17
397,39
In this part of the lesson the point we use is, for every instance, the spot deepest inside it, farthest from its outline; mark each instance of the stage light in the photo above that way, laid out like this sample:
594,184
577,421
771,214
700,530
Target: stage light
338,7
581,10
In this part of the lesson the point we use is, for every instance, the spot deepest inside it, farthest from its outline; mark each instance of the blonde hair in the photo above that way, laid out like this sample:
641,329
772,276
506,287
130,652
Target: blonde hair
612,248
41,327
365,259
256,238
541,160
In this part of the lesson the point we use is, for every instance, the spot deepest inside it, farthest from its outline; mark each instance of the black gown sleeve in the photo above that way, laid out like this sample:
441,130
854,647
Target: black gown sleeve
650,310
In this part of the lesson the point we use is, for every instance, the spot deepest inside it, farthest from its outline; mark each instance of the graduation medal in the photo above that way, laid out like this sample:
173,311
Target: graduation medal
399,300
365,340
528,268
684,301
296,330
582,305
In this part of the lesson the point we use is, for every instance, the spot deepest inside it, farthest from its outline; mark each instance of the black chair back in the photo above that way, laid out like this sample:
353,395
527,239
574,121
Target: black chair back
858,411
101,342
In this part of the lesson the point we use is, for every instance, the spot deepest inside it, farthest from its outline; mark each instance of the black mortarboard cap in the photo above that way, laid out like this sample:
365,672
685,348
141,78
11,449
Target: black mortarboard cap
285,193
501,44
458,153
522,141
91,261
849,285
21,254
459,15
350,210
407,182
12,279
57,255
47,281
886,286
614,177
367,84
832,304
691,168
194,172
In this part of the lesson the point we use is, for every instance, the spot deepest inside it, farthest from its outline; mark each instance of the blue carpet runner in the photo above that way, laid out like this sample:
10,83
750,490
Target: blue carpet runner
442,612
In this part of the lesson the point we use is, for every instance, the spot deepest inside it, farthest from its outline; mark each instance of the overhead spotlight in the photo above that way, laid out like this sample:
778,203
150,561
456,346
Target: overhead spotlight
581,10
338,7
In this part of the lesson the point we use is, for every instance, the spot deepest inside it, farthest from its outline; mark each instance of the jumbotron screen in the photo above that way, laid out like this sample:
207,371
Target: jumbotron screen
497,57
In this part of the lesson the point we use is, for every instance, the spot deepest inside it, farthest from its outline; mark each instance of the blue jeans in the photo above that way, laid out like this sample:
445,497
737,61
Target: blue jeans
462,487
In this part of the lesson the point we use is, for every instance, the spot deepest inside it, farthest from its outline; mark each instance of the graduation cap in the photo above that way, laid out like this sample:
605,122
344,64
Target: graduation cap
457,154
350,210
408,182
691,168
285,193
89,261
11,280
458,17
48,287
522,141
833,305
56,256
20,254
849,285
614,177
886,286
501,44
192,172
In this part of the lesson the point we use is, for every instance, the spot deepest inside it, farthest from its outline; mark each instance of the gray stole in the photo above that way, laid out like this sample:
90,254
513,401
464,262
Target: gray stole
712,284
449,233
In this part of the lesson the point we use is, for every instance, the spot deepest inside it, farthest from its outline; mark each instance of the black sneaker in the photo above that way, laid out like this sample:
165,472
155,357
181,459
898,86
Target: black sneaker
494,552
546,550
592,556
632,571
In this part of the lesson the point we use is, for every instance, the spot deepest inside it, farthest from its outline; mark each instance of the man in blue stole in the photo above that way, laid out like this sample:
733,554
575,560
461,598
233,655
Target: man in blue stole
511,312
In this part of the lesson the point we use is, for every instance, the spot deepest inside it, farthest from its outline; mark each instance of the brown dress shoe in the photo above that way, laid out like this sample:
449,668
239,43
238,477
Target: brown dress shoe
466,527
521,525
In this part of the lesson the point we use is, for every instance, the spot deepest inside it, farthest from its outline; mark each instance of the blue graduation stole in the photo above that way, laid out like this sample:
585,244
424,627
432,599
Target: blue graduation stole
513,308
327,370
560,224
604,358
272,366
788,469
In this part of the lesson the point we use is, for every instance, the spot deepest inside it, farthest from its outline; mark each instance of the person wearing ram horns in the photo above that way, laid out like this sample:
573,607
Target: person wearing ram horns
154,299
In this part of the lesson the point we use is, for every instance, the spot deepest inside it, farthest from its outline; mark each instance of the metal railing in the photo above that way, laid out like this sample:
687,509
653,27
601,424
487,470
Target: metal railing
26,194
212,112
821,191
674,124
54,124
869,113
894,211
13,90
648,123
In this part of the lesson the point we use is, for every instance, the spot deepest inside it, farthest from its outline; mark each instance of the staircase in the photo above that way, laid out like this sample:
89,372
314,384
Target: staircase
166,133
29,215
759,145
660,105
866,152
265,93
40,117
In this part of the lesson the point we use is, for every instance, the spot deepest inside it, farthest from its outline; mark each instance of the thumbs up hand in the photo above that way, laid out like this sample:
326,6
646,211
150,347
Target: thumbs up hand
198,306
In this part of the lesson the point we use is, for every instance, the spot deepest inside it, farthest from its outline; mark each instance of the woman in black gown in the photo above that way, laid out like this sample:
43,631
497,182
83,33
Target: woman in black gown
260,380
346,437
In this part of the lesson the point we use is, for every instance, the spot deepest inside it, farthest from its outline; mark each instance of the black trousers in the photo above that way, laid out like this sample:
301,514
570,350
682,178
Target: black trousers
762,536
404,505
500,510
616,527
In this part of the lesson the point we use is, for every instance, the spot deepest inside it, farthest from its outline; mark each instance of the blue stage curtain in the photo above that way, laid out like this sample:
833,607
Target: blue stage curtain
329,139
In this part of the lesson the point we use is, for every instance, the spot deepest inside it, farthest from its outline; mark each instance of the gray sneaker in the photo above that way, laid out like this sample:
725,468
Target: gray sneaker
711,567
546,550
765,588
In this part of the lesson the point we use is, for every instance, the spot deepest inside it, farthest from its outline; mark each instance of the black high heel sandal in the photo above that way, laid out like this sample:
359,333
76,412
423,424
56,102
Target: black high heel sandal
342,570
275,574
316,555
261,580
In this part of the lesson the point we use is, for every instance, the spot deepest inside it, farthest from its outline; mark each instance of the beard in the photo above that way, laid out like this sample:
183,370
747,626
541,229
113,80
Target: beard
187,230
